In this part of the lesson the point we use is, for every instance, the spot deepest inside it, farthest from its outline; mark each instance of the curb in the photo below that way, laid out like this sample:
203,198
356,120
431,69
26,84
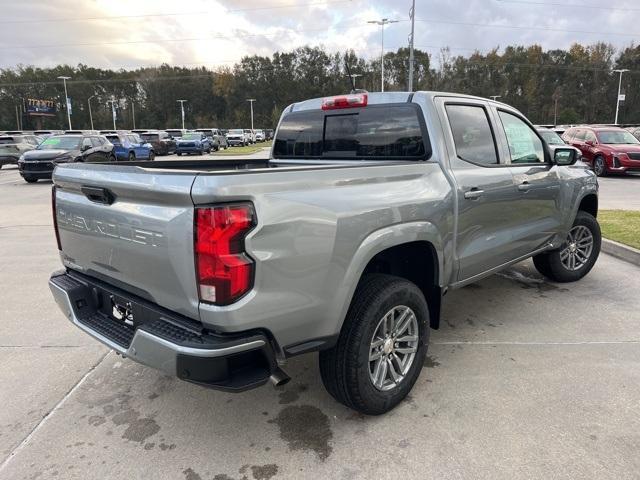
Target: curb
621,251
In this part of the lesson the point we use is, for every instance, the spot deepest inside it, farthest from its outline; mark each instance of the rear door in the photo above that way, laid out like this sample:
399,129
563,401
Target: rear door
139,238
484,187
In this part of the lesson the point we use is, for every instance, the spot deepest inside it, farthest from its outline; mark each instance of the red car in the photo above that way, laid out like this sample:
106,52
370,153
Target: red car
606,149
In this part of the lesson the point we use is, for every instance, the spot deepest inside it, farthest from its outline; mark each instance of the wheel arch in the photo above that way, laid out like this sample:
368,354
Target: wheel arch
589,204
401,250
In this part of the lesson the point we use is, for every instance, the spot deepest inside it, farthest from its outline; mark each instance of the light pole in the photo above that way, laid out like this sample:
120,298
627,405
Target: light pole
133,113
181,102
66,97
382,23
251,100
90,114
620,71
113,111
493,97
353,78
412,14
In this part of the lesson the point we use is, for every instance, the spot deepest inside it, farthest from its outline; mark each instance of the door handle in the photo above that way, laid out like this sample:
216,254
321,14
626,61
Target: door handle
524,186
473,194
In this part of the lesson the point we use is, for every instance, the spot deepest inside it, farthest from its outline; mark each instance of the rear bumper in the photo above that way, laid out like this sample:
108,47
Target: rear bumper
163,340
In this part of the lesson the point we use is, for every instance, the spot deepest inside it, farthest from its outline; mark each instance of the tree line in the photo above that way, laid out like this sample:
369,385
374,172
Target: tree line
577,85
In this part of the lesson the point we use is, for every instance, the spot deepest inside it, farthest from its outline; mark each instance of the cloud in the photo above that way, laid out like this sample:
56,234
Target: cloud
213,33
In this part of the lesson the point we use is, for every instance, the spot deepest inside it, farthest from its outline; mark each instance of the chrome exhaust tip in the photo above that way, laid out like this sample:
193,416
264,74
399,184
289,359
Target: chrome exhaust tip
279,377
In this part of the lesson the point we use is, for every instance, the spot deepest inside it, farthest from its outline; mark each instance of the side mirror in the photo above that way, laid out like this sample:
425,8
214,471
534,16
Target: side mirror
84,148
589,142
564,156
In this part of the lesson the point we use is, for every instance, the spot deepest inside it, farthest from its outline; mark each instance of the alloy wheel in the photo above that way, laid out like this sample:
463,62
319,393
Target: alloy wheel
393,348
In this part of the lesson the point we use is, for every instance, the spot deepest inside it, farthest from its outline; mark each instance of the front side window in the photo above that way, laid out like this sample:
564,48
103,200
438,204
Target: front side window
524,145
472,134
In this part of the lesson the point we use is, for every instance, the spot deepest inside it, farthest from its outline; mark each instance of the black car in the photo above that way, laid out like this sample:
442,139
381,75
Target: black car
39,163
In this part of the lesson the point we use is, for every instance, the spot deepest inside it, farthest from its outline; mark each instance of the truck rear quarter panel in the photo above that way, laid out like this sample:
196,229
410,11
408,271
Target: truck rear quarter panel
316,232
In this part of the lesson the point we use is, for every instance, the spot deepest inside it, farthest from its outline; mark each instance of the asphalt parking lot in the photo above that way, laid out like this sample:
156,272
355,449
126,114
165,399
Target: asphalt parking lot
525,379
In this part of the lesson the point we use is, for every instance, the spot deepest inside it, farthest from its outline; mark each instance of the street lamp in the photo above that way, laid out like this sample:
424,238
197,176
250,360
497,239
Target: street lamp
66,97
90,115
181,102
620,71
251,100
382,23
113,110
493,97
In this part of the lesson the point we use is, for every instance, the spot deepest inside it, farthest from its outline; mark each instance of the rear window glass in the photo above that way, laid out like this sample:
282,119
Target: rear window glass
7,141
150,136
384,131
114,139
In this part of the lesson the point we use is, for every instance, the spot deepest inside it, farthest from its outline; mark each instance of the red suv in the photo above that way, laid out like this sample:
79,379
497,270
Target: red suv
606,149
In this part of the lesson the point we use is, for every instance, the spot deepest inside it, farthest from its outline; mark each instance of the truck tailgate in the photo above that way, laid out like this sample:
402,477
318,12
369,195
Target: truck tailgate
131,227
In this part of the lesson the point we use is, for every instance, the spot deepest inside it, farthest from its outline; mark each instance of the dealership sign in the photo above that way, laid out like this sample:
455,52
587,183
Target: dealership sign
39,107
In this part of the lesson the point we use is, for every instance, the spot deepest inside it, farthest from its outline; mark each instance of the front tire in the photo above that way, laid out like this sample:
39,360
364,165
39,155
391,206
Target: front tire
152,156
382,346
600,166
132,157
30,179
576,256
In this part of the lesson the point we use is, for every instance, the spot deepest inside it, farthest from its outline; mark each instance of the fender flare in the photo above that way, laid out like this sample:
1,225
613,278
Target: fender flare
376,242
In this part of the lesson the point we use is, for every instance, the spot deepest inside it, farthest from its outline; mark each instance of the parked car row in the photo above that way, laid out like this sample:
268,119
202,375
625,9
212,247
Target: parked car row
607,149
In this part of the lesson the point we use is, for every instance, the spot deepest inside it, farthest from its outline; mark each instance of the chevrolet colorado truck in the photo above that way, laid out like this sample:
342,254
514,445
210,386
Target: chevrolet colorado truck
369,209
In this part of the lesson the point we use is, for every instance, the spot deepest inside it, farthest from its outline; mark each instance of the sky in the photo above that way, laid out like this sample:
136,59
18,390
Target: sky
128,34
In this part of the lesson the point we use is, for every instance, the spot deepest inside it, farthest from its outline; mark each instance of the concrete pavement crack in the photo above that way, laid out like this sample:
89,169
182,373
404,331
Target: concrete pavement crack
57,406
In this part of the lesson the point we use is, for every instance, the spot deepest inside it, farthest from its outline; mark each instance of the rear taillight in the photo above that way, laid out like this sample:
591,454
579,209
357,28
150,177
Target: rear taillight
224,271
55,216
345,101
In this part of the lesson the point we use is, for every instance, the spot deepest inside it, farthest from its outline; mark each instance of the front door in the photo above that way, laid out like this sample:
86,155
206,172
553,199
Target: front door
537,205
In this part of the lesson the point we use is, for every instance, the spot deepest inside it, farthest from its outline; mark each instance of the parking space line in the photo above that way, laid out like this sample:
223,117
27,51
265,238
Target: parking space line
35,429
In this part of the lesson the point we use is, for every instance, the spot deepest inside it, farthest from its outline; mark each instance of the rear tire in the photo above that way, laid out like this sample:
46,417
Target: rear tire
349,373
132,157
576,256
179,154
30,179
152,156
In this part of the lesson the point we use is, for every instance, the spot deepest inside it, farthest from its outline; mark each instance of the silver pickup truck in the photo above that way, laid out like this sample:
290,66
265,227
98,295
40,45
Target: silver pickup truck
369,209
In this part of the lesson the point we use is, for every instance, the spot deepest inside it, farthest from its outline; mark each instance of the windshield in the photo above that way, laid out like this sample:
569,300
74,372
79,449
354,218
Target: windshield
192,136
63,142
149,137
551,137
236,131
617,137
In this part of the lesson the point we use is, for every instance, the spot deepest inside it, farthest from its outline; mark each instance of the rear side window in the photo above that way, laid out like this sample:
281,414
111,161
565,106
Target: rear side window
374,132
472,134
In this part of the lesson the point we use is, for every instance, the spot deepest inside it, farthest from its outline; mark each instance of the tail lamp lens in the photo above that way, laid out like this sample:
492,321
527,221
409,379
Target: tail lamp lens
224,270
